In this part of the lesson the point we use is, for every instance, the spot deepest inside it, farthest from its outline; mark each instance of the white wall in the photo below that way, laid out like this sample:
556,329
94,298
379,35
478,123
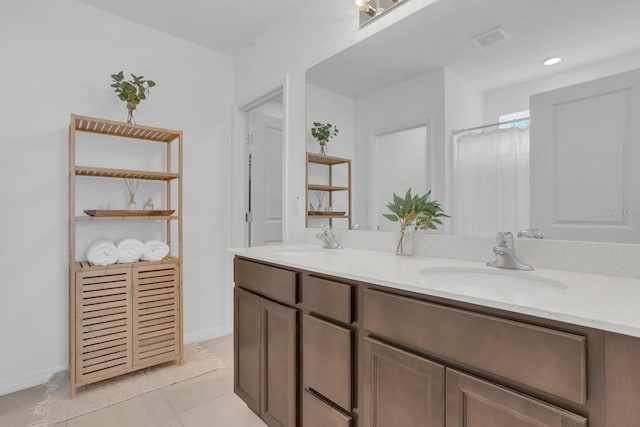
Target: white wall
56,60
311,34
516,98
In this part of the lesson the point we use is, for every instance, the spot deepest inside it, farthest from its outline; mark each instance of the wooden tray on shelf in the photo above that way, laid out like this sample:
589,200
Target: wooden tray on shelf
325,213
127,212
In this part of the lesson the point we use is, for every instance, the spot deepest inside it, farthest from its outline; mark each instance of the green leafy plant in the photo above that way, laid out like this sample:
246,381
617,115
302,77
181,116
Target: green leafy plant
426,213
429,213
323,132
403,210
131,91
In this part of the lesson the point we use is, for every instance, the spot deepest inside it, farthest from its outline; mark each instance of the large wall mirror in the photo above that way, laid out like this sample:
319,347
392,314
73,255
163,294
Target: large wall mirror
417,104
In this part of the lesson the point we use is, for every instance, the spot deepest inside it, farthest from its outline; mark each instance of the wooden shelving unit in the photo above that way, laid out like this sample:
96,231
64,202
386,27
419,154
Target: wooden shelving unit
330,162
124,317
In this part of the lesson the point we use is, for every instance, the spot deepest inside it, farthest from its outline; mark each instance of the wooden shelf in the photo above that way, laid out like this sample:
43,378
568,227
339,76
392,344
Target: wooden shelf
120,299
126,130
126,218
330,163
125,173
87,266
325,160
320,187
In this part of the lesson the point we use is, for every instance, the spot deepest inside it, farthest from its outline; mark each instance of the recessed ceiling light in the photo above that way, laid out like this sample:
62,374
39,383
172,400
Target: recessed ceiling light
552,61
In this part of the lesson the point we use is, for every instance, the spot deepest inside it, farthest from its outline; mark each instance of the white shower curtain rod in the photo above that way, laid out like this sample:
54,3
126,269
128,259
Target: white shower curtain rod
456,131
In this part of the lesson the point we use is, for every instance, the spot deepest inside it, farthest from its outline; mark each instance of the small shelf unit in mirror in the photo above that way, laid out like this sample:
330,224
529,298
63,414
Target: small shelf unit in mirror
124,317
341,212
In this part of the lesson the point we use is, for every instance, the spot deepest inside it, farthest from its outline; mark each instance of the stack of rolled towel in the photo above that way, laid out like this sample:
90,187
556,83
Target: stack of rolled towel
106,252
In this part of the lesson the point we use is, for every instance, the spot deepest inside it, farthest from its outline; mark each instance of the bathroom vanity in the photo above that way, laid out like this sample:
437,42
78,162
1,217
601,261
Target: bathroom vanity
361,338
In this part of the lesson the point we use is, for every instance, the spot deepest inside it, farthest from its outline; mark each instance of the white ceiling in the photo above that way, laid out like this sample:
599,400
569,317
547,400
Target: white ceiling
581,31
224,25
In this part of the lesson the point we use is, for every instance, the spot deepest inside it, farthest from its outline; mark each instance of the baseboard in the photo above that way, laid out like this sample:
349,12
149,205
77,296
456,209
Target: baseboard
27,381
207,334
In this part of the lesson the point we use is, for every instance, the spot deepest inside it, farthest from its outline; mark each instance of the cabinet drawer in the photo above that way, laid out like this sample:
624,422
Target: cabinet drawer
273,282
332,299
327,360
316,413
471,401
548,360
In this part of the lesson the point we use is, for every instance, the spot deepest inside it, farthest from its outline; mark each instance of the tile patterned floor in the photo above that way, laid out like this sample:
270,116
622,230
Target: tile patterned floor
205,401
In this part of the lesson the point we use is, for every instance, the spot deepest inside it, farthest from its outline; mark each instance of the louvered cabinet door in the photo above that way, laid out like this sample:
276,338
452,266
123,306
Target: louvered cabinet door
156,314
103,324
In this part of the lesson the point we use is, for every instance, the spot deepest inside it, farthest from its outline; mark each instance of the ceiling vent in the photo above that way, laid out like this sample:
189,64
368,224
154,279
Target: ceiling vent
490,38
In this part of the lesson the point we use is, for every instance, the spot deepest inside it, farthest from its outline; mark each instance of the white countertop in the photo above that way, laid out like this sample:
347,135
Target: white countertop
603,302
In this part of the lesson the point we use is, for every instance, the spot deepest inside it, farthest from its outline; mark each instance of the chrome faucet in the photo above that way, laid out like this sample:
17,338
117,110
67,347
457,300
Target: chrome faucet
328,238
530,233
506,253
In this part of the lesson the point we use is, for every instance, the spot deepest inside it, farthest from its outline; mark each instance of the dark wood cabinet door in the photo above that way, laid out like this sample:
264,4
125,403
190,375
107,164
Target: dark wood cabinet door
400,388
279,364
246,334
327,360
472,402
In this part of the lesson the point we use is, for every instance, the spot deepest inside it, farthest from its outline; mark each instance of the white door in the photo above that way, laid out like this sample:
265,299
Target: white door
265,186
399,163
585,145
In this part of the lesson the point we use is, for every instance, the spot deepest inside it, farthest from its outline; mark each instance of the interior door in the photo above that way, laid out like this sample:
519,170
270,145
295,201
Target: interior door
399,164
266,180
585,140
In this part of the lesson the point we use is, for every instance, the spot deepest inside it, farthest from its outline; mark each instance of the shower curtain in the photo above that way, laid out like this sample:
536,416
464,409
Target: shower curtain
491,182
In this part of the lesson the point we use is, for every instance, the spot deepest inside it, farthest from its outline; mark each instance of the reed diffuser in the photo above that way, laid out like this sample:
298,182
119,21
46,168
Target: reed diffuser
132,188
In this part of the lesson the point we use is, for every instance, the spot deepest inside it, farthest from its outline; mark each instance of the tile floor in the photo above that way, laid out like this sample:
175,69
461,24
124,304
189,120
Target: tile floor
205,401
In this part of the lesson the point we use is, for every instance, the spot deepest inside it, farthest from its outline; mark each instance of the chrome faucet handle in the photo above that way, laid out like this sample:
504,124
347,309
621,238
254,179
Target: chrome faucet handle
530,233
504,239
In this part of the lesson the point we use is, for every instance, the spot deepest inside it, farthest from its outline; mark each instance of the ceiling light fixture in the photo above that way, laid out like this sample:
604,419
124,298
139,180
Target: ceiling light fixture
366,7
552,61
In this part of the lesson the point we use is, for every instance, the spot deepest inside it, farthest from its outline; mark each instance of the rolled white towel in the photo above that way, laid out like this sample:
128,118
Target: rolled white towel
102,252
129,250
155,250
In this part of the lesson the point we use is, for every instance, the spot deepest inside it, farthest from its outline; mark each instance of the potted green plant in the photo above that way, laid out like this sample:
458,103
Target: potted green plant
131,91
323,132
424,212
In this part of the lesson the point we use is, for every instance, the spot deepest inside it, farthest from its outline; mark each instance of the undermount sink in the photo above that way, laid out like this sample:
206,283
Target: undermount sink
504,285
303,252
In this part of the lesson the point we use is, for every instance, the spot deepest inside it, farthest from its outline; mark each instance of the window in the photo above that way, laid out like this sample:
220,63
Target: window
513,118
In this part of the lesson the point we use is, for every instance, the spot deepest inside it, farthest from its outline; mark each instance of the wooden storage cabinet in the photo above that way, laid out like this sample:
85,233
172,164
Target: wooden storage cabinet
266,342
375,356
125,317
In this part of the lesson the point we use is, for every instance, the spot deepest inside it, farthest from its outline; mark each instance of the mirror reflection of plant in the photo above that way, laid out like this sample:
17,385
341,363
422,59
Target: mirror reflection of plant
324,131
